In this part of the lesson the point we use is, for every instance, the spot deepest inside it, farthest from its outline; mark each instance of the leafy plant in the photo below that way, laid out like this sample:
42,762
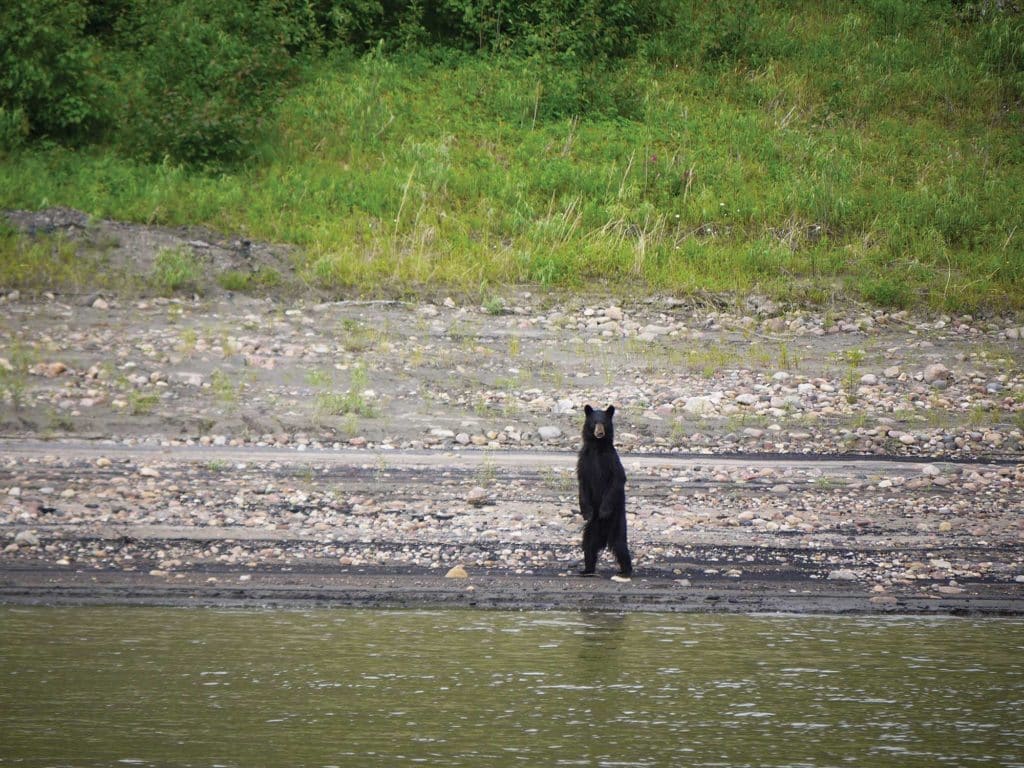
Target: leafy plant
49,86
14,366
206,75
142,403
351,403
224,388
175,270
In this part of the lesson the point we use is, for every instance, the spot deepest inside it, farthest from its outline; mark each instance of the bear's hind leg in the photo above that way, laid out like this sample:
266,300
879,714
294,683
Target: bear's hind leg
620,549
593,543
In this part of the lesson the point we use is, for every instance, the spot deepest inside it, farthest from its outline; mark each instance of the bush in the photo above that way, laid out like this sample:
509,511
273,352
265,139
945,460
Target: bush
730,32
49,86
586,30
14,128
208,72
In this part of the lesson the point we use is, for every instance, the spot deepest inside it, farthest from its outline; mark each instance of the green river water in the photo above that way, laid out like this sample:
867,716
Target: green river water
202,687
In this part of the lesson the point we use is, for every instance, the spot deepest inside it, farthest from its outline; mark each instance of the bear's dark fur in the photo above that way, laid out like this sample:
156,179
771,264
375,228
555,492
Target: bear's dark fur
602,482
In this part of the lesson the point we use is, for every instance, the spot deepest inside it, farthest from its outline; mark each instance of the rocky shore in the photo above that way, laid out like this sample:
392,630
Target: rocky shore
768,448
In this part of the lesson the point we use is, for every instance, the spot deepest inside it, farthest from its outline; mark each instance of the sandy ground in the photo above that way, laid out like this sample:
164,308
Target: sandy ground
223,449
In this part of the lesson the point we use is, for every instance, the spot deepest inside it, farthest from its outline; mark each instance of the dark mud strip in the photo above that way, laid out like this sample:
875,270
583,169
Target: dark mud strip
278,589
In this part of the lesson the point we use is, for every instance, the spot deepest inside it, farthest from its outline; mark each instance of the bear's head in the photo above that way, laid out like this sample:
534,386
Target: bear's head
598,427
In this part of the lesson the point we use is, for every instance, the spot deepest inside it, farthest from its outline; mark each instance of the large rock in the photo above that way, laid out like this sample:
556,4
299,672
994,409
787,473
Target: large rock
27,539
842,574
699,406
936,372
188,378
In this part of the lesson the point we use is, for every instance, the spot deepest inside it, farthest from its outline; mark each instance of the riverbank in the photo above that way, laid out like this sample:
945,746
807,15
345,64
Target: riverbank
782,455
263,526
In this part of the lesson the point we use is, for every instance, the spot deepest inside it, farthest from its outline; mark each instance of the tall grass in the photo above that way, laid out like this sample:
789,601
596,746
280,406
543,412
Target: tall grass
872,150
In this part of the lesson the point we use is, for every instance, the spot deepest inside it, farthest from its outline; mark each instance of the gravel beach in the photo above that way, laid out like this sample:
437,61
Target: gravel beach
224,448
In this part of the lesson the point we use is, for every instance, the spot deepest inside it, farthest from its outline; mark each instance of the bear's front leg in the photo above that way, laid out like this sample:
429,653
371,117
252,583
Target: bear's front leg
586,508
613,502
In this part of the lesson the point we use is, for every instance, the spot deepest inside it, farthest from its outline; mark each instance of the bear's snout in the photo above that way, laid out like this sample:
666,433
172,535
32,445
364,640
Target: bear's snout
599,430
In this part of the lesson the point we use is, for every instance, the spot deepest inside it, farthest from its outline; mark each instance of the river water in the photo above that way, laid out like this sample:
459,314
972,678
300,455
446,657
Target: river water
204,687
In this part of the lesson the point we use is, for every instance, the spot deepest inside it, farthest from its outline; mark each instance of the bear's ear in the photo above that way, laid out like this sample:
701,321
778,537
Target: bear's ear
587,409
609,411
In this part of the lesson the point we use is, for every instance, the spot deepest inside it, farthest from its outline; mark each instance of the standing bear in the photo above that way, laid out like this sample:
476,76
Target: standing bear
602,483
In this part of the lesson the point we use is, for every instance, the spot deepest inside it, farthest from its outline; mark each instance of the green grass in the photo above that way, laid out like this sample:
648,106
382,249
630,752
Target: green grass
175,270
255,282
865,150
142,403
352,403
225,389
52,263
15,361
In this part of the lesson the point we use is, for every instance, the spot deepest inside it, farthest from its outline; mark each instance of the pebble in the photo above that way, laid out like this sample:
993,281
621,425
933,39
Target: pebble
26,539
457,572
935,372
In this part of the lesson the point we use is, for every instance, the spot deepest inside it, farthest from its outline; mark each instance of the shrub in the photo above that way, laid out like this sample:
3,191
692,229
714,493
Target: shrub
176,270
730,31
49,84
586,30
14,128
207,73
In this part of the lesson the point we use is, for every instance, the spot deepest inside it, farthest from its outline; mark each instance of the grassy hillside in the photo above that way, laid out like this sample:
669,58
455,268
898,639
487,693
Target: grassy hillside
870,150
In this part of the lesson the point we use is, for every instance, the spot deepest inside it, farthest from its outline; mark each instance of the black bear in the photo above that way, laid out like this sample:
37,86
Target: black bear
602,483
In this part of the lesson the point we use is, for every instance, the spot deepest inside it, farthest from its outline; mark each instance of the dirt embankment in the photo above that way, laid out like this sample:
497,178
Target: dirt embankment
227,448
